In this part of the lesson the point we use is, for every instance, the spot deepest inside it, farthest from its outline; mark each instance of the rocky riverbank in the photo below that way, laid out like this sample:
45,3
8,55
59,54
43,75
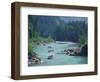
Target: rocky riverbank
77,51
34,59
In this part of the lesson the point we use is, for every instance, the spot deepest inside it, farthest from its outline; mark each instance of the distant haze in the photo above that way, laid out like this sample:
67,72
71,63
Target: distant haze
69,19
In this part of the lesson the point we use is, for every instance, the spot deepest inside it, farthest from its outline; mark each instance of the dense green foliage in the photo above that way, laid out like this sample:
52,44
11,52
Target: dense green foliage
34,37
75,31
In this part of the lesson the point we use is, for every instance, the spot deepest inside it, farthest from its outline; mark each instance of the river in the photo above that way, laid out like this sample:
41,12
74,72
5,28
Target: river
59,57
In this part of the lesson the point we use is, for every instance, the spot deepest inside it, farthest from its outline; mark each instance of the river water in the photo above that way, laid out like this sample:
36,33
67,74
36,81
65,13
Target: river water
59,57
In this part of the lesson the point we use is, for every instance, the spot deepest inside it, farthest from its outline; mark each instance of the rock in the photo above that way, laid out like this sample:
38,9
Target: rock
66,53
33,59
50,57
37,61
84,50
38,43
49,47
50,51
44,44
72,53
71,50
77,51
65,50
29,55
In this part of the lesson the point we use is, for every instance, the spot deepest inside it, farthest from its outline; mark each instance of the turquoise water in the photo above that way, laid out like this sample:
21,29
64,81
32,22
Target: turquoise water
59,57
